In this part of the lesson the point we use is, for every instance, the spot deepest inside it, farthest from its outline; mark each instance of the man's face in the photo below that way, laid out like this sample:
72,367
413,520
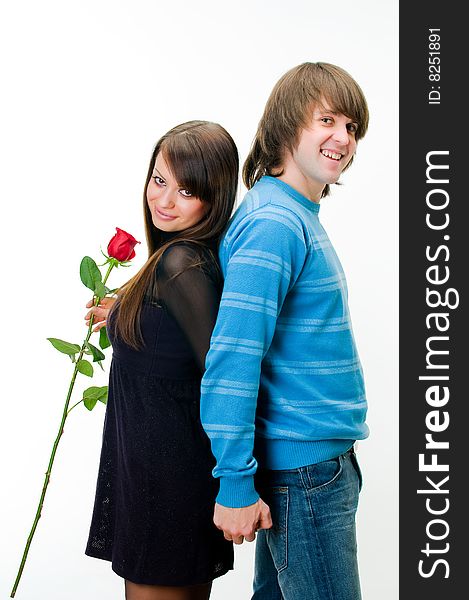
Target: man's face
325,148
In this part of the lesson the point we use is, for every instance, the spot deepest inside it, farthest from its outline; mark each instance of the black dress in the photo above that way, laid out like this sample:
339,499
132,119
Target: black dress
155,493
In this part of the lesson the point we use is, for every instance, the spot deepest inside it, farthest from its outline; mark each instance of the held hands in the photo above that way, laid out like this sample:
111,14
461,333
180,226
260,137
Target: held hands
239,524
100,312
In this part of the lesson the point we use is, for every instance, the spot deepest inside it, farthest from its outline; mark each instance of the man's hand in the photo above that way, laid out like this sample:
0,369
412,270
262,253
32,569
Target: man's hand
239,524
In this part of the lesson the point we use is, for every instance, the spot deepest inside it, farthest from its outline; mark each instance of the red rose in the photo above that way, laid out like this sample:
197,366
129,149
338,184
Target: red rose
121,247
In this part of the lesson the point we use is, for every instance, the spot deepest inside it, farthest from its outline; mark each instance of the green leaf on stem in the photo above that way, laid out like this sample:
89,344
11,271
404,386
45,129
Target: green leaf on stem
99,289
64,347
85,367
96,352
103,339
90,403
94,394
90,274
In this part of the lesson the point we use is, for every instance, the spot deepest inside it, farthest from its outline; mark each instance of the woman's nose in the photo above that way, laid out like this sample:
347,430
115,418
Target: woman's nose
166,199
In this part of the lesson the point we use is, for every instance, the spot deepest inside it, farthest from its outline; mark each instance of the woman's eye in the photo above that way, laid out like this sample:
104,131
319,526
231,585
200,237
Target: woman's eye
352,127
327,120
186,193
158,180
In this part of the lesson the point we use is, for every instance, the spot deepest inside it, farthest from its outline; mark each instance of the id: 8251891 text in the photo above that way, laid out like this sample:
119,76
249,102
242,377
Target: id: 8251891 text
434,66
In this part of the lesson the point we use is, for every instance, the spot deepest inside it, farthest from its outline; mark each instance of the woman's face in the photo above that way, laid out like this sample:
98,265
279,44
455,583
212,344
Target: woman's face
172,207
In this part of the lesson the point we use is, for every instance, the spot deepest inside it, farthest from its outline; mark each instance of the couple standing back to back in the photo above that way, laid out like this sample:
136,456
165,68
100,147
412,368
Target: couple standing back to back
282,397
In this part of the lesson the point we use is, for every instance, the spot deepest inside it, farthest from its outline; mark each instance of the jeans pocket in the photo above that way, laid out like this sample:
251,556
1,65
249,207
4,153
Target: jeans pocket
277,536
323,474
354,460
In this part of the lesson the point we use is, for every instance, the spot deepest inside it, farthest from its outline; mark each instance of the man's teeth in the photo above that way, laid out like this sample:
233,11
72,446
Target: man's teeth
330,154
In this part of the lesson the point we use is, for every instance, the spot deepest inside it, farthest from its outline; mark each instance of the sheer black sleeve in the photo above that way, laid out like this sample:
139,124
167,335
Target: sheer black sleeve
188,285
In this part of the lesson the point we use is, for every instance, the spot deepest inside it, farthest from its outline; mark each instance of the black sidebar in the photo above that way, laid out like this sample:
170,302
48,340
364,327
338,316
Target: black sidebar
434,258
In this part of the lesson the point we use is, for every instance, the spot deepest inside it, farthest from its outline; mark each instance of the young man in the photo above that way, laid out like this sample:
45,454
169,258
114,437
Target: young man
283,397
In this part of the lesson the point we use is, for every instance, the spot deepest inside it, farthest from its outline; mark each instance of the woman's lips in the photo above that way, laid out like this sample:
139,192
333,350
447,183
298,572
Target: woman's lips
164,216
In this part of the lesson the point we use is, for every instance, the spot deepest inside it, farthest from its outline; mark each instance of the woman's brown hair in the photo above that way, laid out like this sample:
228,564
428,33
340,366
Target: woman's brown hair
289,108
203,158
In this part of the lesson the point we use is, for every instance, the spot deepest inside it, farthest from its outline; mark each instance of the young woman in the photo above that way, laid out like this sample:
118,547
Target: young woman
155,494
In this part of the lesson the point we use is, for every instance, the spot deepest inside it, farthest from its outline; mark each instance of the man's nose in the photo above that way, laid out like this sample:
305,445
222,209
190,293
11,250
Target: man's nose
341,134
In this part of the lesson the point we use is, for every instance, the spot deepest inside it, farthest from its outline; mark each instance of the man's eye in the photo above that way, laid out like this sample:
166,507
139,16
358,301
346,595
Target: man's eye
326,120
186,193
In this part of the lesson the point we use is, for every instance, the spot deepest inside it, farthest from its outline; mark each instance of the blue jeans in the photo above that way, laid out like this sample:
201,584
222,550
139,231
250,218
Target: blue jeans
311,551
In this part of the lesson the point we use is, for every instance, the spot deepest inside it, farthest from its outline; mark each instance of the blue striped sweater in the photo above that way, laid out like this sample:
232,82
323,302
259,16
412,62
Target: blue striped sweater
283,385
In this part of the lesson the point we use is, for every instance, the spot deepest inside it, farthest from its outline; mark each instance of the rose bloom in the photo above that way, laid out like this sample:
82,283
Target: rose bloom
121,247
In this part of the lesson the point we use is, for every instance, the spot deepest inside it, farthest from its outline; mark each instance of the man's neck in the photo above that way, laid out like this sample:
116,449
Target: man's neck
312,190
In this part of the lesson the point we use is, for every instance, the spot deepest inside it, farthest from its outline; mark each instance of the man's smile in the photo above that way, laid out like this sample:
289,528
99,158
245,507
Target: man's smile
332,154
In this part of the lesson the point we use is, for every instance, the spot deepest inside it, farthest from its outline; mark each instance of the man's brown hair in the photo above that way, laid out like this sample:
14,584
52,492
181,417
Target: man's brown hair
289,110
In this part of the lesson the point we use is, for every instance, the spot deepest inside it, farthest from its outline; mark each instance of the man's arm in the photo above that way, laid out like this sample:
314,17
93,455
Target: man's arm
265,256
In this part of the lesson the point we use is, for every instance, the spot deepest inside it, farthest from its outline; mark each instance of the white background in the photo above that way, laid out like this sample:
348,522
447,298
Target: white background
87,88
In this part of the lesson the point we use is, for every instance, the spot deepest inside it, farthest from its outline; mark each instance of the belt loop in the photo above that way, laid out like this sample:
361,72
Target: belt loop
305,478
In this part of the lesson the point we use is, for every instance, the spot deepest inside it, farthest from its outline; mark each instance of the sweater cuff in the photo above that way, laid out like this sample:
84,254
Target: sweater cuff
237,492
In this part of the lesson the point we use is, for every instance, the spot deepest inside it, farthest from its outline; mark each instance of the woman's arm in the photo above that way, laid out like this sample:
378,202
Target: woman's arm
191,294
